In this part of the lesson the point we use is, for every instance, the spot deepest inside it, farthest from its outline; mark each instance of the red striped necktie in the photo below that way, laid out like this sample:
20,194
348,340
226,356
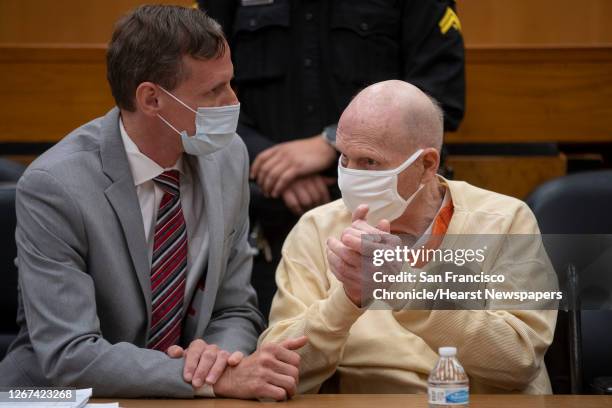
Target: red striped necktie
168,265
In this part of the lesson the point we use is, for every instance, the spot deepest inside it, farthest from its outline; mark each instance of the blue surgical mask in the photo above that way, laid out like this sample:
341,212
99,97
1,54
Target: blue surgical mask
215,128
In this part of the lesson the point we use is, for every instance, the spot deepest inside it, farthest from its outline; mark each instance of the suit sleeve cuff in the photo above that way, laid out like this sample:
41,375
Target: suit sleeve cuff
205,391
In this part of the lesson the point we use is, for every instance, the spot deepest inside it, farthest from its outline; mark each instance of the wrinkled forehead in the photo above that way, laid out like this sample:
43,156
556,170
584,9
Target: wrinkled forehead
374,128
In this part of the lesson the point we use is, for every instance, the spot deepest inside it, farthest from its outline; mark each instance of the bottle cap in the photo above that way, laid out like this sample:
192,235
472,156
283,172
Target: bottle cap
447,351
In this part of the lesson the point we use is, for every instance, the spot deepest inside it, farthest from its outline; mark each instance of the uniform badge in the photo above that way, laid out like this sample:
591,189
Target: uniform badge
247,3
450,20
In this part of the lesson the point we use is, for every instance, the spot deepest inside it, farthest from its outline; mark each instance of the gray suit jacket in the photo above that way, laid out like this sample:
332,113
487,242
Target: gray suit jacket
84,275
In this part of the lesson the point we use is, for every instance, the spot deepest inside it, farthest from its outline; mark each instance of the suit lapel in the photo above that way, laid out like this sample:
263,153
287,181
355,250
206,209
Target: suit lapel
122,196
211,187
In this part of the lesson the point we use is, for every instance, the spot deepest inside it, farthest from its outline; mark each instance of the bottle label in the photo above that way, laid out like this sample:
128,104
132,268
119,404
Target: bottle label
448,396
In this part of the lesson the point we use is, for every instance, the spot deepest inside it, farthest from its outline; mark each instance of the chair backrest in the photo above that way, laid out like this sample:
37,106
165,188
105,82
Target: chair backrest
8,252
578,204
10,171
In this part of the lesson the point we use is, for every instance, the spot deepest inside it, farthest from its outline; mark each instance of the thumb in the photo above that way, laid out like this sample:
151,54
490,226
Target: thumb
329,181
294,344
175,351
384,225
235,358
361,212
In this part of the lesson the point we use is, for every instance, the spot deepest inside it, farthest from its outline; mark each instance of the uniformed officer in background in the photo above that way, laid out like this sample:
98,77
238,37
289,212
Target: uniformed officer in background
297,65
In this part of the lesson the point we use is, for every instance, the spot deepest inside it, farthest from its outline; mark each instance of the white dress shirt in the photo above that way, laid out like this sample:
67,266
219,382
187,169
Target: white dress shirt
144,170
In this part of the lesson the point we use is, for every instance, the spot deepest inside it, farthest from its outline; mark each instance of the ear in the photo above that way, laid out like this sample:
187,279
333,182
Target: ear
431,163
147,99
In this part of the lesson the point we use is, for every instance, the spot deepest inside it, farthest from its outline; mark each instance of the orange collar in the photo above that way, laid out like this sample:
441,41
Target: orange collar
440,225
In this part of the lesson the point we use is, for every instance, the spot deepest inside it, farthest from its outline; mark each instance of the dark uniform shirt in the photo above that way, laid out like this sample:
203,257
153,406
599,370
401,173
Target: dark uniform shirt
298,63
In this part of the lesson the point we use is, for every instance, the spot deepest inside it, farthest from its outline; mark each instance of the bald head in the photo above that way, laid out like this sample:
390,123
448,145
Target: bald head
394,115
385,125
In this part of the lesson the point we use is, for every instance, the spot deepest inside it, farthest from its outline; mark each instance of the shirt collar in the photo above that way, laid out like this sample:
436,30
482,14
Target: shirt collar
446,201
142,167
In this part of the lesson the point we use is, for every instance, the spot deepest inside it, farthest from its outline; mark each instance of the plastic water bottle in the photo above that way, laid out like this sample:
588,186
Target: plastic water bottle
448,384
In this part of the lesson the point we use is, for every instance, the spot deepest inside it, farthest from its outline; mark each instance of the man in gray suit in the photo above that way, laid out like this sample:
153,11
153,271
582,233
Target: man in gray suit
134,265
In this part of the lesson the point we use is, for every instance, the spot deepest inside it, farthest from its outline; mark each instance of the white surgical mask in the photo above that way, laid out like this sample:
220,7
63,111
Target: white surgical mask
377,189
215,128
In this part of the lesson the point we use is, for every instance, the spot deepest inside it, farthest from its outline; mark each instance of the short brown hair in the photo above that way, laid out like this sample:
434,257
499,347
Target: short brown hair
148,45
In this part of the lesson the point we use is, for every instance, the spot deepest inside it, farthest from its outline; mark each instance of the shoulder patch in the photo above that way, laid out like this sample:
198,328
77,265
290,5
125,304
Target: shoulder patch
448,21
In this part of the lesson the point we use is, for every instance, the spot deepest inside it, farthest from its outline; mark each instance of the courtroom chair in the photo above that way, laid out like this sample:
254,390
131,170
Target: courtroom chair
580,357
10,170
8,278
514,169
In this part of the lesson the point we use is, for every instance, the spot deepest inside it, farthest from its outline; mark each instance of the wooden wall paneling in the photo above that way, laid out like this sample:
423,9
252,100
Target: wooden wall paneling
48,91
484,22
65,21
535,22
537,94
513,95
515,176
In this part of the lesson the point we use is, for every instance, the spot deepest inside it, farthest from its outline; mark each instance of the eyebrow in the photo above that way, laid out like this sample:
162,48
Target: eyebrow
218,84
365,156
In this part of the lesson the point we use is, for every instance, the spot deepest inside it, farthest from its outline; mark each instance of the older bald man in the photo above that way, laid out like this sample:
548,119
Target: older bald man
390,138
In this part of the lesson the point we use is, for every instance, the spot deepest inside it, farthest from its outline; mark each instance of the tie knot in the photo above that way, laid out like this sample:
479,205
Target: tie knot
170,181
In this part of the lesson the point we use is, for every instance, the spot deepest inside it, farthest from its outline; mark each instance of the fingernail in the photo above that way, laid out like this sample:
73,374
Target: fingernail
188,377
209,380
197,382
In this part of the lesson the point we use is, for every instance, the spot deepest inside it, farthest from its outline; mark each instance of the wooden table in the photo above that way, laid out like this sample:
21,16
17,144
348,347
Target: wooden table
383,401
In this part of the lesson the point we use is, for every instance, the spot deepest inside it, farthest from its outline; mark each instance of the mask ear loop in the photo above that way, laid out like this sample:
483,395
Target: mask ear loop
168,123
177,99
421,184
409,161
384,173
398,170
